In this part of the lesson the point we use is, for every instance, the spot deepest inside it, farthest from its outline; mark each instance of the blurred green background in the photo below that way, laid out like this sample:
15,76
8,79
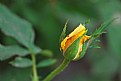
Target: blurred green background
48,18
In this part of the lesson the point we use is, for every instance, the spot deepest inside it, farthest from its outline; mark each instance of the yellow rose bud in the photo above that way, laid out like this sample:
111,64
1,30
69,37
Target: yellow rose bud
73,43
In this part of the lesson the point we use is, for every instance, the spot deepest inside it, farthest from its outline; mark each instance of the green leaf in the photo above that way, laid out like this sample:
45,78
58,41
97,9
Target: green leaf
34,49
21,62
101,29
63,34
9,51
47,53
10,73
47,62
16,27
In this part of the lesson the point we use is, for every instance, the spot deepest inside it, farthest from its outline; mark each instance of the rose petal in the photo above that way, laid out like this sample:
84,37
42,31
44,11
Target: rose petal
79,31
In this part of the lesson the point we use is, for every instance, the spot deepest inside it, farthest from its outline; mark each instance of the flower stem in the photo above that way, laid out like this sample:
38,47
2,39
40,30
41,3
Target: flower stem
57,70
34,67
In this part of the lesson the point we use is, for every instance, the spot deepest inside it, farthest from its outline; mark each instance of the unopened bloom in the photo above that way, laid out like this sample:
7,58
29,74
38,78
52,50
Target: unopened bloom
71,51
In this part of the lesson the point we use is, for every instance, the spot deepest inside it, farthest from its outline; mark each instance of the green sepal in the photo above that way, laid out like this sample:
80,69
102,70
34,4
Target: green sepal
94,46
63,34
73,49
84,48
101,29
86,22
96,40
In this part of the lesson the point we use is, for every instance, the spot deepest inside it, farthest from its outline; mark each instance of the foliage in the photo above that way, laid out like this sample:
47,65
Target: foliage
13,26
47,18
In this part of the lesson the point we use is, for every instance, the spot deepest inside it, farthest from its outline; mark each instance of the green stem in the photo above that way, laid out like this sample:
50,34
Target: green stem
34,67
57,70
